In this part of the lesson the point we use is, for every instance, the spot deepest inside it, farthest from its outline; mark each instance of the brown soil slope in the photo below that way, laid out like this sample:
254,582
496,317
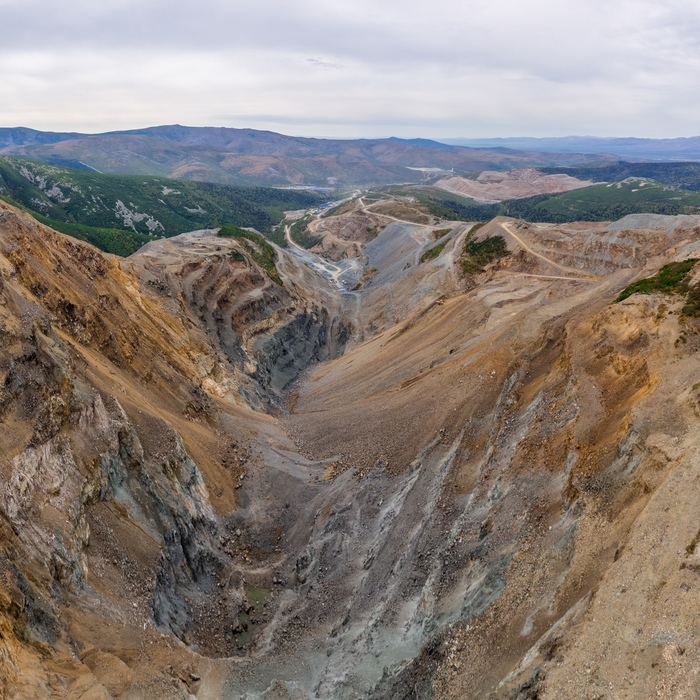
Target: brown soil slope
126,429
538,428
345,232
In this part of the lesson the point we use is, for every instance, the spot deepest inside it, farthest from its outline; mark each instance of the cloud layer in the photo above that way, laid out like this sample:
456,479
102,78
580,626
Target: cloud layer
434,69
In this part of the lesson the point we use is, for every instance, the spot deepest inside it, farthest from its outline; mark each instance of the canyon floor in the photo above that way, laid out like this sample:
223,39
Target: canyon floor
220,482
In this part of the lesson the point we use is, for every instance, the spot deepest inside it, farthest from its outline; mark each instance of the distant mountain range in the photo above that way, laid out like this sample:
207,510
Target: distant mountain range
680,149
251,157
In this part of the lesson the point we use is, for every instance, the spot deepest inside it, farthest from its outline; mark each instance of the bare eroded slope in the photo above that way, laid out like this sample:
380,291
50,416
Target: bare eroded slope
440,486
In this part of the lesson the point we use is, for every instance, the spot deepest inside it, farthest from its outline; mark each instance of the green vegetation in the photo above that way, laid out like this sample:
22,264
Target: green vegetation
683,175
477,254
440,232
611,202
300,233
276,235
669,279
691,307
109,240
459,210
256,246
433,252
100,205
236,255
595,203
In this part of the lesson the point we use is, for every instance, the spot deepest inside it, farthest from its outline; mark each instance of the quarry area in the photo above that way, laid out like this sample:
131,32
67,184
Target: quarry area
471,474
496,186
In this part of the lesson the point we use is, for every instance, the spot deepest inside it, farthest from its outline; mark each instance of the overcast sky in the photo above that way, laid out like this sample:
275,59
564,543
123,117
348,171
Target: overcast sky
437,68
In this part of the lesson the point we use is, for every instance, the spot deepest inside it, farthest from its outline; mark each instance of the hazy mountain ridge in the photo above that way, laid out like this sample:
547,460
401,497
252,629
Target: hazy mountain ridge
22,136
248,156
683,148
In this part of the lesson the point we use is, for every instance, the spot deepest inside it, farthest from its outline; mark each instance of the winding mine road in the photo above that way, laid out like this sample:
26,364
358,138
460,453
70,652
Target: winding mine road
365,208
582,274
343,273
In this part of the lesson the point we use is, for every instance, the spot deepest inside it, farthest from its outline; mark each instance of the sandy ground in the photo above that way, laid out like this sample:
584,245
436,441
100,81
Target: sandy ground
493,186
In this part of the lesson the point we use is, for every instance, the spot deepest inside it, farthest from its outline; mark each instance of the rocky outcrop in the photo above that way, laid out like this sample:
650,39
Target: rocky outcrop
262,331
311,337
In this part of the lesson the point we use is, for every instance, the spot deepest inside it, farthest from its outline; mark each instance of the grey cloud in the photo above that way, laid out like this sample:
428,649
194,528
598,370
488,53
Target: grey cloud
487,67
545,38
324,64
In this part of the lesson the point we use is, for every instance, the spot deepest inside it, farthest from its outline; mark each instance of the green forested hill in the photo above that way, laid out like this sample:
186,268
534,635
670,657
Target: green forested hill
97,207
683,175
605,202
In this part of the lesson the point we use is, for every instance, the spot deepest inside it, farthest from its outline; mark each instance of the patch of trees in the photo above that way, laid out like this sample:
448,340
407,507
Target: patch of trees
84,203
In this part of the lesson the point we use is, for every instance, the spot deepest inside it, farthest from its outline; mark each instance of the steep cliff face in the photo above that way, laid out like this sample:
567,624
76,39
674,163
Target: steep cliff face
475,501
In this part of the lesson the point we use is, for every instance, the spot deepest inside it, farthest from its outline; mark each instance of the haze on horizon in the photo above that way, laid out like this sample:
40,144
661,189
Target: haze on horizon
435,70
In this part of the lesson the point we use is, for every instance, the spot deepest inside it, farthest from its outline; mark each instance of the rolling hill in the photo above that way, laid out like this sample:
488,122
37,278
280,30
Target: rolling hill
121,213
251,157
601,202
683,175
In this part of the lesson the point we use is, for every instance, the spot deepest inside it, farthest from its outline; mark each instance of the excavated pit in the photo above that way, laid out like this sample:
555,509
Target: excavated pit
457,491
